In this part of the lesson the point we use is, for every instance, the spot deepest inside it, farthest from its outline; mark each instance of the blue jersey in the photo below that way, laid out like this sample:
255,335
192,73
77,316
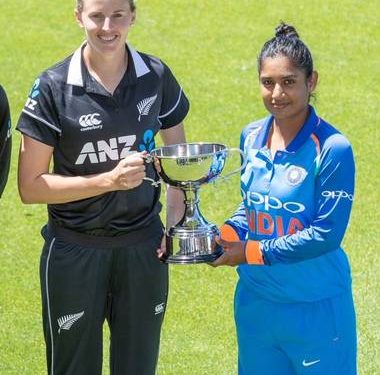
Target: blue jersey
297,203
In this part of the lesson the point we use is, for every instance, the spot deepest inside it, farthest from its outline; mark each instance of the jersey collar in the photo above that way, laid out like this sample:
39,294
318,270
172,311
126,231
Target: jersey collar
75,74
305,132
307,129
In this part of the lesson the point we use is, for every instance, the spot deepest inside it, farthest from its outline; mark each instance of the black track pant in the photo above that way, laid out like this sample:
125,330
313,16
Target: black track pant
85,281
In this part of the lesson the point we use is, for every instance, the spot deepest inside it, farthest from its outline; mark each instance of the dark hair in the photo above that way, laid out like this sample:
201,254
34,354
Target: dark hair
287,43
131,4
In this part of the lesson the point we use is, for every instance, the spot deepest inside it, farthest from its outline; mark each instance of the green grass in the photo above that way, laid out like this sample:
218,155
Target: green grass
211,46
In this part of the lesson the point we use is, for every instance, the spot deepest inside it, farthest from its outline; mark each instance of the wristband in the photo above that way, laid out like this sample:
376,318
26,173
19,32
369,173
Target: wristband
253,253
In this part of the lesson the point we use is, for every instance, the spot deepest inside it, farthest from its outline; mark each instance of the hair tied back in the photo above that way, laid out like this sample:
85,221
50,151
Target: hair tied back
286,31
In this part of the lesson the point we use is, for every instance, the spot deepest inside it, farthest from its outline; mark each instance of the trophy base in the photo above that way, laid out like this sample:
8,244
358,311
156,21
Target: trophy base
194,259
192,246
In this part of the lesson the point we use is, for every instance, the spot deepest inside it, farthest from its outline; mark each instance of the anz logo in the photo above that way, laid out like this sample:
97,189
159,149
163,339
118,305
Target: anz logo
90,122
103,150
34,92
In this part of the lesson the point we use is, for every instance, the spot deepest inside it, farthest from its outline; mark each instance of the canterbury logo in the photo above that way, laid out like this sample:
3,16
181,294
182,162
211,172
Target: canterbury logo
158,309
9,132
66,322
145,105
90,121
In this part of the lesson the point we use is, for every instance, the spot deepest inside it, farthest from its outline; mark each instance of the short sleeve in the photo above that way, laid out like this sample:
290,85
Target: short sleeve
175,105
39,118
5,120
5,139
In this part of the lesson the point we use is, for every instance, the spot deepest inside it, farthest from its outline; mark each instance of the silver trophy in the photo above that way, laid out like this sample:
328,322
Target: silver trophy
187,166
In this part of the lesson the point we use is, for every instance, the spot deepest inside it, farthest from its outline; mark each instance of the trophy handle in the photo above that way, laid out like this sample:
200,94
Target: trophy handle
150,159
239,169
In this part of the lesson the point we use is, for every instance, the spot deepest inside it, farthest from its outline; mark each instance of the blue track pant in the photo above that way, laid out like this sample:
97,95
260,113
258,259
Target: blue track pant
316,338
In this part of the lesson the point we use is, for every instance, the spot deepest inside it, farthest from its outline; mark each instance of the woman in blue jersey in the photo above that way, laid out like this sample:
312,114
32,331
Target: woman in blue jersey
294,309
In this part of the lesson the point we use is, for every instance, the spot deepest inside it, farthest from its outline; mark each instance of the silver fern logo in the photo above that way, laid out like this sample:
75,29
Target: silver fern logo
66,322
145,105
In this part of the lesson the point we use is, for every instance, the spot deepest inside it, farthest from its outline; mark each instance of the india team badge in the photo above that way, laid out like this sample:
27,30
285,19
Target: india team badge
295,175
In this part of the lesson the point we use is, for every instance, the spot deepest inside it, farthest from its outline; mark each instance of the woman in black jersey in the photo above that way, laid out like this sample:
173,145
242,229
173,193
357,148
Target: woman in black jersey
5,139
95,115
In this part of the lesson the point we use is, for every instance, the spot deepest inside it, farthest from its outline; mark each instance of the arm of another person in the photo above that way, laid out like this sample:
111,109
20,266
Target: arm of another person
5,140
37,185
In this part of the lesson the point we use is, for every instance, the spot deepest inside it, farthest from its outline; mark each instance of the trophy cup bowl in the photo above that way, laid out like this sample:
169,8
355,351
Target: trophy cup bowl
187,166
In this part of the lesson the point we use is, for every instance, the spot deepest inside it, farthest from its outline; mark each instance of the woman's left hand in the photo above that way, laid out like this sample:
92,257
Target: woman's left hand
161,251
233,253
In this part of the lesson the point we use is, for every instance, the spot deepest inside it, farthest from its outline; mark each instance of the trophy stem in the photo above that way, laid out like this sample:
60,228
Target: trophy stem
192,238
192,217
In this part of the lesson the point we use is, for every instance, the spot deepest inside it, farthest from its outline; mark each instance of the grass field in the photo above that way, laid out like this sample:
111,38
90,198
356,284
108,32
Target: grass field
211,46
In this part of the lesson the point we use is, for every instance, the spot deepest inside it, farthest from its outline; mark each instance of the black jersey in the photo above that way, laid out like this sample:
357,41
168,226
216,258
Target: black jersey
91,130
5,139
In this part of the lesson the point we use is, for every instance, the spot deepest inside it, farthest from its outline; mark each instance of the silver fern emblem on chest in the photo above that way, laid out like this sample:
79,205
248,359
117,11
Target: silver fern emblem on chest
65,322
145,105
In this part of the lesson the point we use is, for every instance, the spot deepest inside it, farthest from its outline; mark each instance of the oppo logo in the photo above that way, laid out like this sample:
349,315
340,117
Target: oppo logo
338,194
270,202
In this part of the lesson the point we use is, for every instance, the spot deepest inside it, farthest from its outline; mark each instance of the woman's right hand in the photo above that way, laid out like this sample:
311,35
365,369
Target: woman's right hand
38,185
129,173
